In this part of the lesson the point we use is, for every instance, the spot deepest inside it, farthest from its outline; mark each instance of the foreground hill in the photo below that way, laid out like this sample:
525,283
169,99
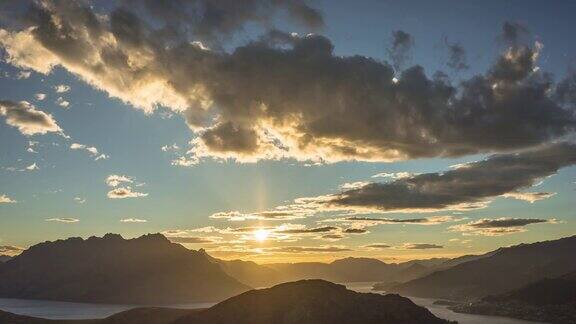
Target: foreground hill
312,302
302,302
146,270
503,270
550,300
4,258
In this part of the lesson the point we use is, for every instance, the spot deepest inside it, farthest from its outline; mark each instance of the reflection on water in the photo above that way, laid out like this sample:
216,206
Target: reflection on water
63,310
443,311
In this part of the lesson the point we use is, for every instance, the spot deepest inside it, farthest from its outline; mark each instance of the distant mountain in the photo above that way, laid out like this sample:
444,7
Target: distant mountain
146,270
342,270
502,270
302,302
312,302
551,300
247,272
4,258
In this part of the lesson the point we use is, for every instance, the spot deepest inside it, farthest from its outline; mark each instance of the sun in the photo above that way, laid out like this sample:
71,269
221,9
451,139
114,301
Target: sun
261,235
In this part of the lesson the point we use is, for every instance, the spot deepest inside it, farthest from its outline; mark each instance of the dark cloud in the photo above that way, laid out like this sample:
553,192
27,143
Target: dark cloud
214,20
456,56
498,226
400,49
389,220
377,246
467,186
289,96
512,222
27,118
309,230
355,231
333,236
513,32
420,246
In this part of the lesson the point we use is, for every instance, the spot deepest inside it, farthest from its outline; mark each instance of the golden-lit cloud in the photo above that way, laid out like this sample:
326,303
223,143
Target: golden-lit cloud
6,200
289,96
27,119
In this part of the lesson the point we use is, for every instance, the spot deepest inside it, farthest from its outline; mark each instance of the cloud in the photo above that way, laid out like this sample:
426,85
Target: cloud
32,167
79,200
61,88
513,32
377,246
125,192
289,96
6,200
91,150
173,147
529,196
355,231
23,75
115,180
62,103
28,119
418,246
322,229
40,96
308,249
368,221
63,220
456,56
272,215
133,220
498,226
10,250
400,47
470,186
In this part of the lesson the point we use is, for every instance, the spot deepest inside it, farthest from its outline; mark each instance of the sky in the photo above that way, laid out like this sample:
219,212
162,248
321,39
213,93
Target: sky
284,131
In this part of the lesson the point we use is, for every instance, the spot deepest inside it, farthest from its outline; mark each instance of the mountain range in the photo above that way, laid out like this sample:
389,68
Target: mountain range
497,272
551,300
145,270
302,302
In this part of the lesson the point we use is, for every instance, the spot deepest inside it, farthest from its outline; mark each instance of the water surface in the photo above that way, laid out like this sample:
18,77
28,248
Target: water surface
65,310
442,311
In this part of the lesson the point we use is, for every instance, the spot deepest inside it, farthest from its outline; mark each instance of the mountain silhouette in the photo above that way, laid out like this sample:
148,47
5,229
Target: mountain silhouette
145,270
551,300
500,271
4,258
301,302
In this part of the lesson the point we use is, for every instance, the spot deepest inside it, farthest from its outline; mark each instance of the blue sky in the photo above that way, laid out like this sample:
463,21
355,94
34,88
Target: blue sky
183,198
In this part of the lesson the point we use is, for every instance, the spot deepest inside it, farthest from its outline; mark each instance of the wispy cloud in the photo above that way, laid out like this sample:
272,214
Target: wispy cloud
133,220
63,220
90,150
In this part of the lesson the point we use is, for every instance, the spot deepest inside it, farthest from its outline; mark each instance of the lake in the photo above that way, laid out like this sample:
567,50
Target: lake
65,310
443,311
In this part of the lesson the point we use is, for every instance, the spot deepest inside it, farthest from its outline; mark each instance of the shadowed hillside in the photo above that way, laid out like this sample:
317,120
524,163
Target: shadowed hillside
146,270
504,270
